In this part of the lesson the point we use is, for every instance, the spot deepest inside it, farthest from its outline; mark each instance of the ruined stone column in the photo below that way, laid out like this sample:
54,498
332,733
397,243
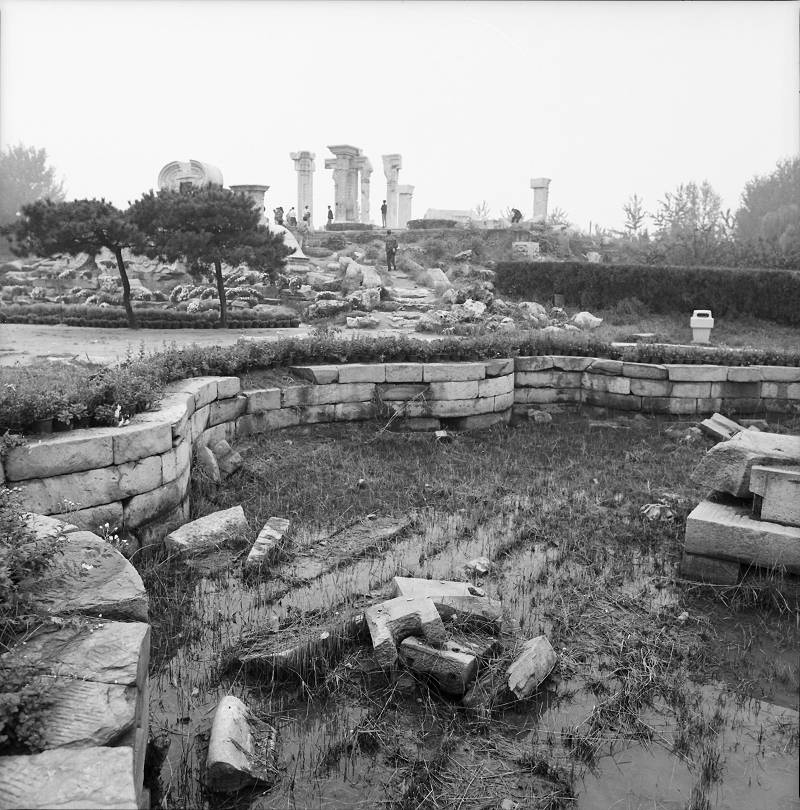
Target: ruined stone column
404,195
256,194
366,174
304,166
345,180
540,187
391,168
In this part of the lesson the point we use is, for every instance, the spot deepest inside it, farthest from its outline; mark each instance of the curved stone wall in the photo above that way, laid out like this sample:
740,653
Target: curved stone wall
138,476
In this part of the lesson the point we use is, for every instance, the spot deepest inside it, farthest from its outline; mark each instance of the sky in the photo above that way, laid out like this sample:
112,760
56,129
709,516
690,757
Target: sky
605,98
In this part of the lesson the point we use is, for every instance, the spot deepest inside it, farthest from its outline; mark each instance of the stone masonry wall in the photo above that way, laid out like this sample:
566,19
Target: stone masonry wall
139,475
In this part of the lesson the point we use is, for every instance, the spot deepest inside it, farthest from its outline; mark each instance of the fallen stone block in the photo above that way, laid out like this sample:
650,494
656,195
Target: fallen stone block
728,532
472,611
709,569
719,427
228,459
779,490
208,463
452,670
242,749
726,466
419,587
268,539
207,533
394,620
93,778
531,667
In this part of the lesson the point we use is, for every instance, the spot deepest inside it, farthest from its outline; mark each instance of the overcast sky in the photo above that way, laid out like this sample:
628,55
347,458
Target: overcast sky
605,98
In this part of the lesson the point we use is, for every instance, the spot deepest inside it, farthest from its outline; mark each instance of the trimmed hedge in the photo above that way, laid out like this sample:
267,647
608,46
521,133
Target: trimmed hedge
429,224
770,294
348,226
148,318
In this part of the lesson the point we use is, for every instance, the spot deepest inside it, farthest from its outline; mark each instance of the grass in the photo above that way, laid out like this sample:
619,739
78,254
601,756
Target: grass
556,508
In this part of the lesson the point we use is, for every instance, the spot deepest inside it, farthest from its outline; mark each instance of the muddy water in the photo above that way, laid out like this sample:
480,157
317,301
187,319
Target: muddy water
339,743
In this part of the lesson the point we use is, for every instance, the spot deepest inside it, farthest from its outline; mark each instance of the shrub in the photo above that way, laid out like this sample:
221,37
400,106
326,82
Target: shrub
770,294
428,224
349,226
334,242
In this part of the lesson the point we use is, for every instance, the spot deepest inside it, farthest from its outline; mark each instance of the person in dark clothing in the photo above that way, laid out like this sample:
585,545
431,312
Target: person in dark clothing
384,209
391,251
516,216
278,215
330,215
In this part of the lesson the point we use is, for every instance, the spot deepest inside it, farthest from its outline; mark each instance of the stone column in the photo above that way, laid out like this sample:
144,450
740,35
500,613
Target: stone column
366,174
540,186
391,169
256,194
404,195
345,180
304,166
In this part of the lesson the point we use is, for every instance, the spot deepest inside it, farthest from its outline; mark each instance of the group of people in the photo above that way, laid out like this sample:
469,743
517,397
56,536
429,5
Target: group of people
289,219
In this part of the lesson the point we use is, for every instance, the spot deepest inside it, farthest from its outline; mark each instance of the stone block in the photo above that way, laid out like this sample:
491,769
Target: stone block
226,410
708,404
404,372
728,532
316,414
326,394
241,749
536,363
208,463
680,372
500,367
537,396
152,533
779,488
415,425
742,406
530,668
569,363
321,375
207,533
681,406
60,454
44,526
444,408
779,373
779,390
736,389
202,389
656,404
650,388
362,373
496,386
453,372
255,423
551,378
467,389
353,411
470,611
600,365
268,540
149,506
619,402
174,409
481,421
199,421
228,387
394,620
745,374
719,427
402,392
263,399
778,406
645,371
433,588
451,670
223,432
605,382
176,461
94,517
141,441
503,402
726,466
709,569
92,778
88,576
228,460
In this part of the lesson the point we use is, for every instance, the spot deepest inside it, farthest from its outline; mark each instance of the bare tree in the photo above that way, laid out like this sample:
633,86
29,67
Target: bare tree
481,210
634,214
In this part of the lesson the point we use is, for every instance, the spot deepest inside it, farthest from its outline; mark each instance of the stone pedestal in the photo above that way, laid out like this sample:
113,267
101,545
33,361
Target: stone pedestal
391,169
304,166
404,195
540,186
256,194
345,167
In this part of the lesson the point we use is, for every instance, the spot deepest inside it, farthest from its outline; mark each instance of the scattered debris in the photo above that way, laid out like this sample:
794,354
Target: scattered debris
443,437
531,667
540,417
394,620
451,669
480,565
657,511
720,427
208,463
228,460
268,539
207,533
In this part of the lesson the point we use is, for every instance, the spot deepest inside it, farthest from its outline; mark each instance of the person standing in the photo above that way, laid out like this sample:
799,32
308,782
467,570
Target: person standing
278,215
516,216
391,251
307,217
330,215
291,218
384,209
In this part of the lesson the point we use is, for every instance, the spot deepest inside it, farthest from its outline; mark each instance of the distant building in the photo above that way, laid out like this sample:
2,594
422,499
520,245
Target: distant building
460,217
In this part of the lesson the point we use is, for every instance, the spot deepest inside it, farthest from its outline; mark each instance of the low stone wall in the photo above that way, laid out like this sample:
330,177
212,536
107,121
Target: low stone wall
92,659
137,476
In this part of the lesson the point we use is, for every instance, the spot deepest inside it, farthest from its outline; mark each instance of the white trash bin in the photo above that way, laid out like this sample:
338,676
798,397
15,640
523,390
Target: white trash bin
702,323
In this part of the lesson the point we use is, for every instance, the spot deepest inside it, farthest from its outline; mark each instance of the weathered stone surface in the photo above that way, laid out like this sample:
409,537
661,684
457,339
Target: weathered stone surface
619,402
362,373
353,411
316,414
600,365
208,463
539,396
453,390
726,466
255,423
415,425
679,406
779,373
139,441
267,541
199,421
326,394
650,388
605,382
503,401
779,489
228,459
97,650
44,526
500,367
533,363
92,487
403,372
708,569
202,389
223,432
208,532
93,778
265,399
679,372
645,371
401,392
531,667
241,750
719,427
94,517
451,670
569,363
549,378
474,611
392,621
176,461
226,410
480,421
747,390
149,506
728,532
228,387
744,374
433,588
780,390
494,386
174,409
453,372
88,576
60,454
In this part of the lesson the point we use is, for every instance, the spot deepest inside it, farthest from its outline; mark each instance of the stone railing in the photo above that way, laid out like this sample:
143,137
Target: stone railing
137,477
91,660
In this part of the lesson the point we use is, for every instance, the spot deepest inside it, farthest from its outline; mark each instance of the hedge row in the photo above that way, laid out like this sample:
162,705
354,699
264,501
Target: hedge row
348,226
429,224
770,294
147,318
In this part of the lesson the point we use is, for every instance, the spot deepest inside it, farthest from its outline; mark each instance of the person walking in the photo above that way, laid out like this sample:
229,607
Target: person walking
391,251
307,217
384,209
330,215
